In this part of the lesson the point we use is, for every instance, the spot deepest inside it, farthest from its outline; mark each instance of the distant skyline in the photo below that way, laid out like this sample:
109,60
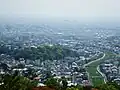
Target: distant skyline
75,9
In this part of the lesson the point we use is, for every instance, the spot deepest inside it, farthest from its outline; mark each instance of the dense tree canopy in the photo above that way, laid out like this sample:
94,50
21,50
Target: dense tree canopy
53,83
43,52
16,83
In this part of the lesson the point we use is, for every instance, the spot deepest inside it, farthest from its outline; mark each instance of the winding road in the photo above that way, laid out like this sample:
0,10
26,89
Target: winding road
85,65
102,74
94,60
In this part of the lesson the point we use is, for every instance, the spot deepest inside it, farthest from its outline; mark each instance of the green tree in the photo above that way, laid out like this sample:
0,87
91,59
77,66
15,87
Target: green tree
64,83
16,83
53,83
72,88
107,87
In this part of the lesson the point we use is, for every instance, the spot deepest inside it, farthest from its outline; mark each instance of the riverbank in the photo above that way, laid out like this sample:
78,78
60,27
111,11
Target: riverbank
102,74
85,65
91,68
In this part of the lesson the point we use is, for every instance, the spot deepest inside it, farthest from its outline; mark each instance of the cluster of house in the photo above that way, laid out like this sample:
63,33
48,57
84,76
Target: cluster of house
68,68
111,70
74,73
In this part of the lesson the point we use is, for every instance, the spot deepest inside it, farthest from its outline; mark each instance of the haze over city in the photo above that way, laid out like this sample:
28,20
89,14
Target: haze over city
59,45
67,9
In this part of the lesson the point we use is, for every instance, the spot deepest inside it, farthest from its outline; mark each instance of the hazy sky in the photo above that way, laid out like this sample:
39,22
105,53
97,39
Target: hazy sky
60,8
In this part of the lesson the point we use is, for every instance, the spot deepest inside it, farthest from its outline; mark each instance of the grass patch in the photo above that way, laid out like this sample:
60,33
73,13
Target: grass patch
95,77
98,80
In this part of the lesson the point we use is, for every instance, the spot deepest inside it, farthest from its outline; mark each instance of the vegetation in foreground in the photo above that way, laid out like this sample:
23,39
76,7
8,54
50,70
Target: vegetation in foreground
21,83
12,82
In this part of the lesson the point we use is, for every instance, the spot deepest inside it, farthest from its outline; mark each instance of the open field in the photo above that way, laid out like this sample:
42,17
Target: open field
95,77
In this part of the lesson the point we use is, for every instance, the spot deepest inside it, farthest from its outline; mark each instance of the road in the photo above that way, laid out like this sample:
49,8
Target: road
103,75
94,61
85,65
